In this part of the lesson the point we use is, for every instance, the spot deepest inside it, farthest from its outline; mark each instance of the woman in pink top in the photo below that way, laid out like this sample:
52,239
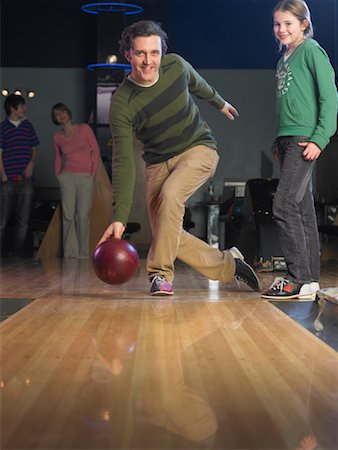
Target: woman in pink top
76,159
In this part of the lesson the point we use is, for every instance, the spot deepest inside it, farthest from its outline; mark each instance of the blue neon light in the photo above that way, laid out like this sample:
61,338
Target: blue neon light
96,8
126,67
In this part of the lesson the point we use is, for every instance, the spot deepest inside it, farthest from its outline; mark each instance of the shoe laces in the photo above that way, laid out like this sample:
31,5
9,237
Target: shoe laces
243,279
157,279
279,284
238,279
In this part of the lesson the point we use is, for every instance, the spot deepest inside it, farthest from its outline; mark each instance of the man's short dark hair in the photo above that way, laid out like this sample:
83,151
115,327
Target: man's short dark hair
60,107
13,101
142,28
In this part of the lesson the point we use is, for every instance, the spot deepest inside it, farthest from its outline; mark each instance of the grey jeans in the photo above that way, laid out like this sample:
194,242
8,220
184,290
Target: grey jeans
294,212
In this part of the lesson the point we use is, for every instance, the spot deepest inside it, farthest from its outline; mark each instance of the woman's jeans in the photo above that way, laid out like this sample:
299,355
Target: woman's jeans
294,212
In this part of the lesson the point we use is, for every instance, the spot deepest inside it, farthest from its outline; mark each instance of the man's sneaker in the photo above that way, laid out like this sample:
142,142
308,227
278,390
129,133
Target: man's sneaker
282,288
244,272
236,253
160,286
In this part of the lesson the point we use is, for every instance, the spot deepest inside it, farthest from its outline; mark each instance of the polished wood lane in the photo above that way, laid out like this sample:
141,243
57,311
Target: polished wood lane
64,277
21,278
107,373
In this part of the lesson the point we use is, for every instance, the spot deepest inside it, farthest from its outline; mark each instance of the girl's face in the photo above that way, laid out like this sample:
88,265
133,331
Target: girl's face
288,29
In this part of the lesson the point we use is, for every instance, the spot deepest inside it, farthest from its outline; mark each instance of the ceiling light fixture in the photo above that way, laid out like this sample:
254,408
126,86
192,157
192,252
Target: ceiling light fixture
112,7
111,59
93,67
5,92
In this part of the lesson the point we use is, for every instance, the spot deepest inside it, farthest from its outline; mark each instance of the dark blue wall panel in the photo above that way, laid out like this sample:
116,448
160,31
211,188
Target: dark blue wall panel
234,34
211,34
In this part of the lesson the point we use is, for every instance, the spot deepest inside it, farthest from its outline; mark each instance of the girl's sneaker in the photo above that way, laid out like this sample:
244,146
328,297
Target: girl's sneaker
315,286
282,288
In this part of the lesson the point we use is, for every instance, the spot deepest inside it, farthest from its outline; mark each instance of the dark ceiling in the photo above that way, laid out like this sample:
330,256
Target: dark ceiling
235,34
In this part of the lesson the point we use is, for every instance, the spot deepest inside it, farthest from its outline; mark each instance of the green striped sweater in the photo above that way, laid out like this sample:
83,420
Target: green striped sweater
163,117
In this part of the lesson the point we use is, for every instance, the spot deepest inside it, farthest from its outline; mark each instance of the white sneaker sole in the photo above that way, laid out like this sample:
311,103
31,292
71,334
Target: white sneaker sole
161,293
291,297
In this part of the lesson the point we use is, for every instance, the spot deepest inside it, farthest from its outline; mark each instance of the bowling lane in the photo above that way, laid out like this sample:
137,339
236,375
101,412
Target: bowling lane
128,374
76,277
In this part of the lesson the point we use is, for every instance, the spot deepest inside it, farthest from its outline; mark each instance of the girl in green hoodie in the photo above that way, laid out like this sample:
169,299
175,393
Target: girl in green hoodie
306,119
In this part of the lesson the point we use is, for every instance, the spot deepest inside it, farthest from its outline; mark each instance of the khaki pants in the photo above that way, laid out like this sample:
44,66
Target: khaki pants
169,185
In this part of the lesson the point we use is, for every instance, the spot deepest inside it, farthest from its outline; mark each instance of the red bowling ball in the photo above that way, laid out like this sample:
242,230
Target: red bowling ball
115,261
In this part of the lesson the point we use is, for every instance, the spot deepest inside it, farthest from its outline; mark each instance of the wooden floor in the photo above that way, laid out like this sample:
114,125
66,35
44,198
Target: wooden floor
91,366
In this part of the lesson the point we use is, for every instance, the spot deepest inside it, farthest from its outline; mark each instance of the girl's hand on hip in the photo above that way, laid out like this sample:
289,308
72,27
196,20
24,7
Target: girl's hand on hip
311,152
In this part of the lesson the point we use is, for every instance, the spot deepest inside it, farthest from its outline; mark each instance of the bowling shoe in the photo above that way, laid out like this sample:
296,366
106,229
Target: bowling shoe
244,272
160,286
282,288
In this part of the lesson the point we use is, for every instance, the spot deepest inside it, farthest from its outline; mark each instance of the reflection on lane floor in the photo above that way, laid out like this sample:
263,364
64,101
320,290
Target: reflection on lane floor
320,318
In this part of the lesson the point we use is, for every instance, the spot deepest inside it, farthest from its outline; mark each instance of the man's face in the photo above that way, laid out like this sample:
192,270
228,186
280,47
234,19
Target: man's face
145,59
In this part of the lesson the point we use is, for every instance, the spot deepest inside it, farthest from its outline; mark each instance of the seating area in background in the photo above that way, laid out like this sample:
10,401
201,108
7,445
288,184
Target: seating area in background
230,220
328,232
246,221
187,219
131,228
330,226
244,217
42,213
44,237
259,234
